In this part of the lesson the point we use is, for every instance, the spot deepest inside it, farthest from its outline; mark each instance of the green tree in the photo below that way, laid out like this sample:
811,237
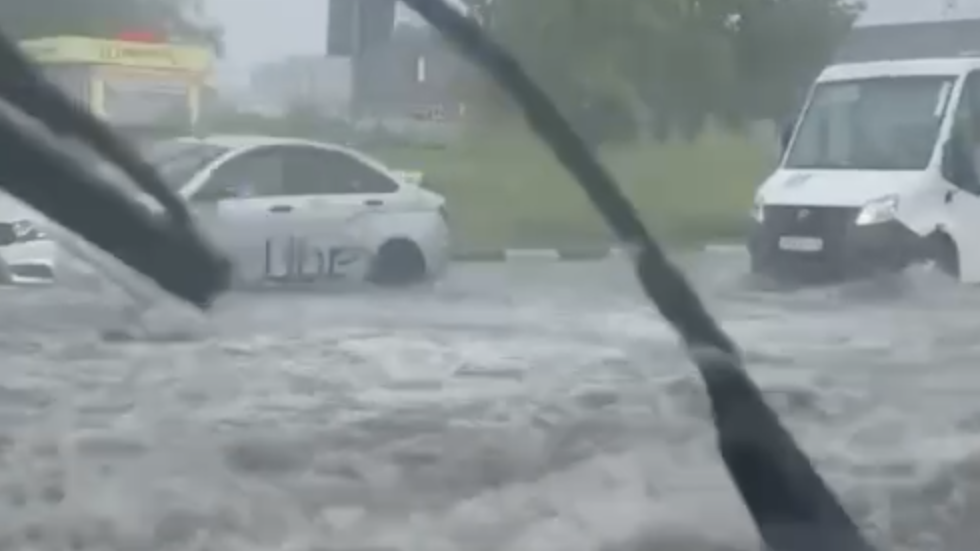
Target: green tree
782,45
178,20
666,67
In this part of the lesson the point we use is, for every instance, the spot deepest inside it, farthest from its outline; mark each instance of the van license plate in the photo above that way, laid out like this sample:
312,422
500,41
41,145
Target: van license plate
801,244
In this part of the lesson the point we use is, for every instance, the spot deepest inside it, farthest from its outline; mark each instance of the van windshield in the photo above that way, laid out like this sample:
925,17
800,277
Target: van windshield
873,124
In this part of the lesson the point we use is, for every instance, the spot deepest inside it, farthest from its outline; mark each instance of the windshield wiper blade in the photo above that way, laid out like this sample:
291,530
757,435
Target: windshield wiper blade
788,500
36,123
790,503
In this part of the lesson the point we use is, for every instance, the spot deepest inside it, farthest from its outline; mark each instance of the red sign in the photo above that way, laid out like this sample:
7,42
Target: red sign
139,36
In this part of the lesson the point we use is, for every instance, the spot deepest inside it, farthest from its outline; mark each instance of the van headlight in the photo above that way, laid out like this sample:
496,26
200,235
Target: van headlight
758,211
880,210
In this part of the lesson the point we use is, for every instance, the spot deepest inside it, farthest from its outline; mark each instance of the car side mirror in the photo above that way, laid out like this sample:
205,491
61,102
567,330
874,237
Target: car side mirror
957,164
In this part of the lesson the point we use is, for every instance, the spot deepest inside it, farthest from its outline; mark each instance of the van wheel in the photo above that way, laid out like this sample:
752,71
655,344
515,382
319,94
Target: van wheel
398,262
945,255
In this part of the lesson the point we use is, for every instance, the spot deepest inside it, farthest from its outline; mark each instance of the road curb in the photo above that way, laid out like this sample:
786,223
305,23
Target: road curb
569,255
723,248
549,255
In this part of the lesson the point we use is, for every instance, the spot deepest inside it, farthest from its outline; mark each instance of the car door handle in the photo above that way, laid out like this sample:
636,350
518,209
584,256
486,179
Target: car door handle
374,202
281,208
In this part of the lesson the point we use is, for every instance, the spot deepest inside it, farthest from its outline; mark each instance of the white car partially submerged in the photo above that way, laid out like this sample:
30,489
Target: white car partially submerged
285,210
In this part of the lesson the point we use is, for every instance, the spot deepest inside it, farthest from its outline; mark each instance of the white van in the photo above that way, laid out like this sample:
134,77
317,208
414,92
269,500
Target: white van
879,172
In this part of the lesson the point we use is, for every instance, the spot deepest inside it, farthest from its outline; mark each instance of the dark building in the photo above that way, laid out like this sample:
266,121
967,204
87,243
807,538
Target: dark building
397,71
911,41
414,74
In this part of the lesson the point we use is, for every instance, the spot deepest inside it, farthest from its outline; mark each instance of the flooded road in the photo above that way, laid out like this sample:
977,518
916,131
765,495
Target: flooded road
522,407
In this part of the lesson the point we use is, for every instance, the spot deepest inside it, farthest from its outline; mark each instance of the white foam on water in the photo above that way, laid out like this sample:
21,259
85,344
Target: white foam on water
488,413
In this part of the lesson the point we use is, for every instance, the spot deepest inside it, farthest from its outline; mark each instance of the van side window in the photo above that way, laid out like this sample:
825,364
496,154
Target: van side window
967,121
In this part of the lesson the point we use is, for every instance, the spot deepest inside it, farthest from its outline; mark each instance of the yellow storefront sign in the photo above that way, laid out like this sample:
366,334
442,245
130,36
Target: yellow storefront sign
93,51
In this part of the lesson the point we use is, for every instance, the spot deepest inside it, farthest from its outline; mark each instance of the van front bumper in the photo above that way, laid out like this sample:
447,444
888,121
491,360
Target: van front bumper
28,262
823,244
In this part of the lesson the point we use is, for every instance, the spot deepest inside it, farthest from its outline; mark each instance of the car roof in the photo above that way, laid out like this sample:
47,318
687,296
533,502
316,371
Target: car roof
244,141
248,141
950,66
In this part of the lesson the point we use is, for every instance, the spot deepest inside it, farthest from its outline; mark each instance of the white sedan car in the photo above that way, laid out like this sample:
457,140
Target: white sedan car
285,210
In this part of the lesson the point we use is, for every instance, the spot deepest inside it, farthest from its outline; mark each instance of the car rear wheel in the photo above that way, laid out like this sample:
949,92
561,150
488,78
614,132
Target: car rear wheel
398,262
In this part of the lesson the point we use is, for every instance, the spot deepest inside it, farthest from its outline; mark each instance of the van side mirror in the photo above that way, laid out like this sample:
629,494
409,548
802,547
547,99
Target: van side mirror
957,164
785,135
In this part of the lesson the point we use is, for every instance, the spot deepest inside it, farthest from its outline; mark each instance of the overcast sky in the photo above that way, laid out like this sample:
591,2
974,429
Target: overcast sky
260,30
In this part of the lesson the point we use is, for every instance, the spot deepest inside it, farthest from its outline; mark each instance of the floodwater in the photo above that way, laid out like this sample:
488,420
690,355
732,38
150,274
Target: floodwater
523,407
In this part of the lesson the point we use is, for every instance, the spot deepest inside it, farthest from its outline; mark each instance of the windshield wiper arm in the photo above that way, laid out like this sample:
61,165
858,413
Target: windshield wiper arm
791,505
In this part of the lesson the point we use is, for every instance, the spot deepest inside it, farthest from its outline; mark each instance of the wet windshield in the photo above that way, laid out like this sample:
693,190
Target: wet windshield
469,363
874,124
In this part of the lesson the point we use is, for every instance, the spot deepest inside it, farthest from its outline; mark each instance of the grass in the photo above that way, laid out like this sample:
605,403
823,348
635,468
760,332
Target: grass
506,190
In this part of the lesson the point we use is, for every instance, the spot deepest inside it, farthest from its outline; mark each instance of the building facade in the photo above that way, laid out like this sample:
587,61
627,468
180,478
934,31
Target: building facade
944,38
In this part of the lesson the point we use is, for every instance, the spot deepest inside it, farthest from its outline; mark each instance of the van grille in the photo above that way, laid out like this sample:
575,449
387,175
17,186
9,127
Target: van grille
831,224
825,222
